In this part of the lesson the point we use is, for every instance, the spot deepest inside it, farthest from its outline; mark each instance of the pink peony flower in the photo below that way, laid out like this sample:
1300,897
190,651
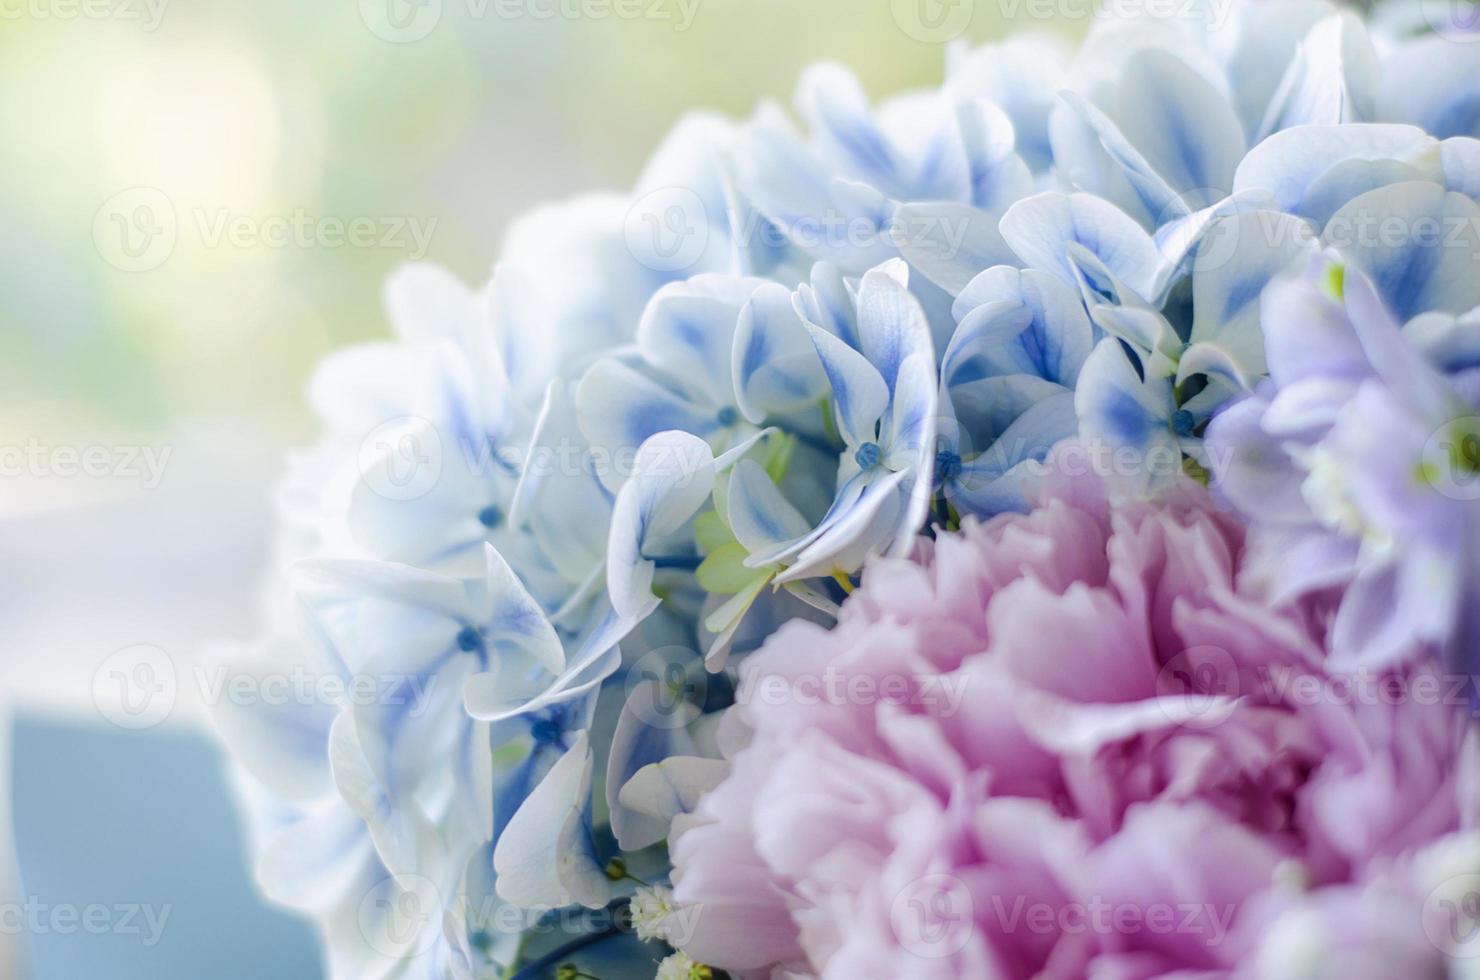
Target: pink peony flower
1063,744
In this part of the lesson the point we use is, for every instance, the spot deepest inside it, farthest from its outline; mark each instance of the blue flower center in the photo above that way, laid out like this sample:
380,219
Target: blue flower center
947,466
550,728
490,516
727,416
868,455
469,639
1183,422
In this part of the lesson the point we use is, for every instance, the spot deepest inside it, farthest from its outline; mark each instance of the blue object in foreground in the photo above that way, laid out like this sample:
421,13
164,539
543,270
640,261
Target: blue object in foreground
131,862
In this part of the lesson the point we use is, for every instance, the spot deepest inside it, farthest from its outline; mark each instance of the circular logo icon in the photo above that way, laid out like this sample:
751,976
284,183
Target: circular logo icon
933,21
1454,20
135,230
401,21
1217,243
1451,916
1212,243
1451,459
933,917
667,230
1196,685
401,459
135,687
666,687
401,916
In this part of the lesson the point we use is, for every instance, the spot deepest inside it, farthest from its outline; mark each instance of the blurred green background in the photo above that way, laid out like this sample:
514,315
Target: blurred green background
277,108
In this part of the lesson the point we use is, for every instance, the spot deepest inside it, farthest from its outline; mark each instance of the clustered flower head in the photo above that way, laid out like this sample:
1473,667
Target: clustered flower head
550,522
1360,458
1141,771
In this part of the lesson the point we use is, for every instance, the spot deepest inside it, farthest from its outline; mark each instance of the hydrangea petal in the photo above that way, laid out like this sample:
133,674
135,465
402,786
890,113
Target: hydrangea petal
825,301
1054,338
1460,161
672,477
1333,78
1288,163
776,368
671,787
545,857
1228,280
513,616
863,528
995,480
1040,229
860,394
1119,411
891,324
620,408
425,302
948,243
688,331
651,729
760,516
1417,242
1433,83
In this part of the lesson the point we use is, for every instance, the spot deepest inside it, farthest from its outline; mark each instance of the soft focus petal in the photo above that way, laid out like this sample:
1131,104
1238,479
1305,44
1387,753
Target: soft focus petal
672,477
1040,230
545,857
776,368
1416,242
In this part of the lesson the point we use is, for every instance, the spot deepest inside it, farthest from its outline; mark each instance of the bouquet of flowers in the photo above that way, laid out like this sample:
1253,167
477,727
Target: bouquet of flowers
1028,528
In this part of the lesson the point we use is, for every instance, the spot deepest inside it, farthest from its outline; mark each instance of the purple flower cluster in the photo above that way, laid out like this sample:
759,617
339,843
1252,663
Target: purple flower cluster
1359,462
